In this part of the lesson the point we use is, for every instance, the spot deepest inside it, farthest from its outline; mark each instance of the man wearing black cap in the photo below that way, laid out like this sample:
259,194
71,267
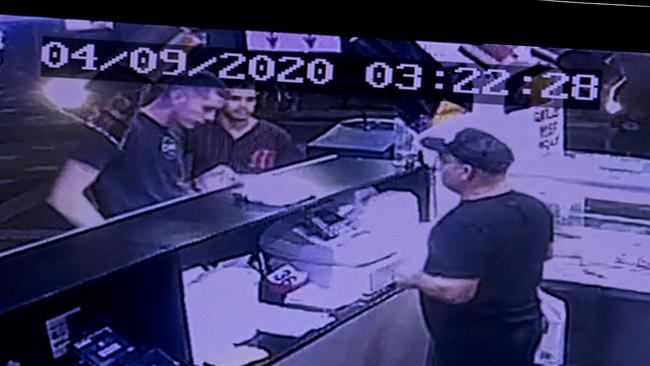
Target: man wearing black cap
131,164
478,286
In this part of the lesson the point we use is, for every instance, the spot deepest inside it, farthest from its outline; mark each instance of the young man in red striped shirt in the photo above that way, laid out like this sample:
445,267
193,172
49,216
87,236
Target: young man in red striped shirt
239,140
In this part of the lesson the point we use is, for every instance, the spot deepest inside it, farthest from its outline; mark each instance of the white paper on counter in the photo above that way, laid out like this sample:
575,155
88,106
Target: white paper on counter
278,190
290,322
619,277
219,309
319,297
626,279
569,269
223,310
192,274
235,355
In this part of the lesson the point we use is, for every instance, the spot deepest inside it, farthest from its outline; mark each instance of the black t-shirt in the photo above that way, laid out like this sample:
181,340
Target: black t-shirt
503,241
147,165
212,145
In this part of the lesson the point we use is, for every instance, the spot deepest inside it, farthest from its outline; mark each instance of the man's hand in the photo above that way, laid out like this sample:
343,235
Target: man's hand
218,177
262,159
406,279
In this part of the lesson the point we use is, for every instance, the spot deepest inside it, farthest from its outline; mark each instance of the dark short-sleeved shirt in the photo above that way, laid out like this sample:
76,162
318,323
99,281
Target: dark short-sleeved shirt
147,165
212,145
502,241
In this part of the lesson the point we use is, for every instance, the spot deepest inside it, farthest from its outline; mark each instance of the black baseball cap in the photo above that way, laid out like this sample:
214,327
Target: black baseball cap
476,148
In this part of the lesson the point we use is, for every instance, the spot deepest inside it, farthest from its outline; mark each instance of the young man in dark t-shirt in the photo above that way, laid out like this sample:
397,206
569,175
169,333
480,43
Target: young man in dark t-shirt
127,165
478,286
239,140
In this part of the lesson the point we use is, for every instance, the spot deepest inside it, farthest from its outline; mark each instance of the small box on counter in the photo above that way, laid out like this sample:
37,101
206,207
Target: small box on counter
275,287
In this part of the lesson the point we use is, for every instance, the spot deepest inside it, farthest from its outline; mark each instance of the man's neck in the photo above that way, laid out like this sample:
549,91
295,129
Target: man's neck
492,190
158,115
237,128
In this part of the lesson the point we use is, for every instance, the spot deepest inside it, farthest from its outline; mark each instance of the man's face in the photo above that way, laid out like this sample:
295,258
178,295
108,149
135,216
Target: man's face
198,106
455,173
240,104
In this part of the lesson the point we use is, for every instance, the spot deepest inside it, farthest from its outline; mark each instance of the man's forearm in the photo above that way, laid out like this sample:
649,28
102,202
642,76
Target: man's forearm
447,290
77,210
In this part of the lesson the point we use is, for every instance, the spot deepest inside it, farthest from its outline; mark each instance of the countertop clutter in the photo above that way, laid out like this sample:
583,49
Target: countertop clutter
599,257
229,295
209,312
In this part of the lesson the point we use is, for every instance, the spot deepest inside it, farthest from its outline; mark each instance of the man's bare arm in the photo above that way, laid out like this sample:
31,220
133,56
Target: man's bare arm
447,290
67,195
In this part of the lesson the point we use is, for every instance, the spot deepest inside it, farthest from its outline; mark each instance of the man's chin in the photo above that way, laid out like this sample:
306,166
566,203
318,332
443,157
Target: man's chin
239,116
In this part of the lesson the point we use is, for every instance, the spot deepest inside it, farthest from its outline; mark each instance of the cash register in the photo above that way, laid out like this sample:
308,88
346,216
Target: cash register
343,255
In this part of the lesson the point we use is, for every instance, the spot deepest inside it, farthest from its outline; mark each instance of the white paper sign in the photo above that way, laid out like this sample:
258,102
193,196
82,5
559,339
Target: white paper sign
292,42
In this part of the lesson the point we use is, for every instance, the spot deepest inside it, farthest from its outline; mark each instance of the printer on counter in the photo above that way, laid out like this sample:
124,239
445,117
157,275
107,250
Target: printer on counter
347,250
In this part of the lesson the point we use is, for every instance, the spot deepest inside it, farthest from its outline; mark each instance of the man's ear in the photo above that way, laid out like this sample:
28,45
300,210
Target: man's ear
468,171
